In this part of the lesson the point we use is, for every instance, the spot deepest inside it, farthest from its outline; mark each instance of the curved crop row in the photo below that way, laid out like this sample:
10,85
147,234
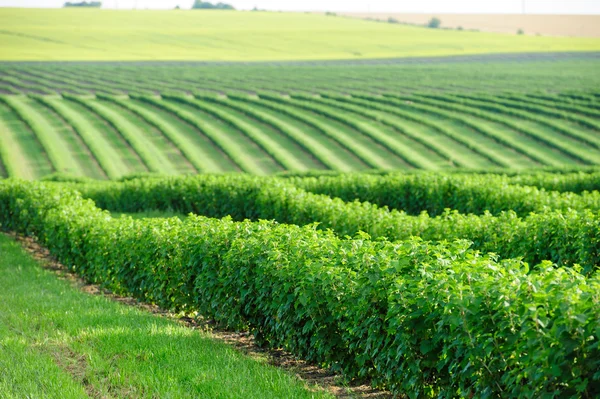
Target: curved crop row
411,157
323,155
108,159
188,148
475,108
531,153
228,146
11,155
58,152
372,133
556,104
446,153
457,137
154,159
364,154
286,159
544,110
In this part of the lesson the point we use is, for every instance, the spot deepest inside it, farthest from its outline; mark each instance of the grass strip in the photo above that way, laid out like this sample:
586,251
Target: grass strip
57,341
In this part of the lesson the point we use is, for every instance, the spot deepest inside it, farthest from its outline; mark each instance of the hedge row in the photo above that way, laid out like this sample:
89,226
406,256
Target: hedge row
424,320
436,192
564,237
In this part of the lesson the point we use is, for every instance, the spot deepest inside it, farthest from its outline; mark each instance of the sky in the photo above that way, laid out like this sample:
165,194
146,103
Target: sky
412,6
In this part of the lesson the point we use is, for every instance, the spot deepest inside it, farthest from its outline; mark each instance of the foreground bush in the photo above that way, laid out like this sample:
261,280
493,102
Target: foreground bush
427,320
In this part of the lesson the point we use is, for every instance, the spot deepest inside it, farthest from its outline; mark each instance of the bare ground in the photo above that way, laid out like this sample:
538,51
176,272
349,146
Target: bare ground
546,25
312,375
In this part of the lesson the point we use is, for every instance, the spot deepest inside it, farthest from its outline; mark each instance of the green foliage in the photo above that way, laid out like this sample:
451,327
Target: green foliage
466,193
554,233
434,23
91,4
423,319
205,5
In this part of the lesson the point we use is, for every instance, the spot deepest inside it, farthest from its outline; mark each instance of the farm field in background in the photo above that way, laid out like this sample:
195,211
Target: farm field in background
107,121
530,24
109,35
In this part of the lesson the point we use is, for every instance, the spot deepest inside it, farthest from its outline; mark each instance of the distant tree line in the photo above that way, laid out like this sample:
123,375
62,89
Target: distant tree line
210,6
96,4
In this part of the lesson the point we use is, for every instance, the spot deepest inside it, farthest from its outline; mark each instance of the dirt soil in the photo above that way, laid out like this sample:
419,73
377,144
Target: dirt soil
546,25
243,341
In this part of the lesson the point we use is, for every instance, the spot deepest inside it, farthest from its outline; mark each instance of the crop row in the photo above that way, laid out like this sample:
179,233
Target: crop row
425,320
490,112
466,193
51,140
574,79
565,237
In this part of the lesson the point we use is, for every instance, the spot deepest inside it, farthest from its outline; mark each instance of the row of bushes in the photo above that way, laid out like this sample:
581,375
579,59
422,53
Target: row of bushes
422,319
576,180
564,237
466,193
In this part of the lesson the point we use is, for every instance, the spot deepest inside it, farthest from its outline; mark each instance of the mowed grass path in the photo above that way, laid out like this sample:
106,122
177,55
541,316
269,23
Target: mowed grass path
58,342
47,35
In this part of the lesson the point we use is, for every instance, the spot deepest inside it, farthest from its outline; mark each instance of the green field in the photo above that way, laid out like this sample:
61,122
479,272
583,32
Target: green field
107,121
108,35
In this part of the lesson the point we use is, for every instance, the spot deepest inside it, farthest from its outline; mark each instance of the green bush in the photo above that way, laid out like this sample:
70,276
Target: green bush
434,23
564,236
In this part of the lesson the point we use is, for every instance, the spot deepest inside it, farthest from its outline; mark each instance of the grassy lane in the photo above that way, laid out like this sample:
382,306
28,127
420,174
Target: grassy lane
58,342
29,158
